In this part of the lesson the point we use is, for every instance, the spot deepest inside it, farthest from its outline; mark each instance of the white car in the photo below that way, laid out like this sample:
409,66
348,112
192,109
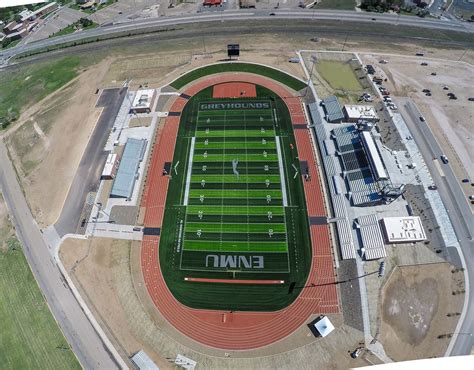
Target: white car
383,61
393,107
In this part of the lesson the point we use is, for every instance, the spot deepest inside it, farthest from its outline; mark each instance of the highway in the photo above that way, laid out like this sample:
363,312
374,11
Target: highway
459,212
78,330
240,15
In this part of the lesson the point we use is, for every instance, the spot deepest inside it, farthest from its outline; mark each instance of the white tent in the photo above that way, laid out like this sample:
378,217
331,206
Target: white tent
324,326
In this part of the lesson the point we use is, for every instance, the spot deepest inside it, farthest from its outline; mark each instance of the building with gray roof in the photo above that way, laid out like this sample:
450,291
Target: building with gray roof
127,172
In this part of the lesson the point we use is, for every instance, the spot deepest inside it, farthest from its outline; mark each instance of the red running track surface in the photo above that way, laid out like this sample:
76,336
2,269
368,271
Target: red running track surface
234,90
238,330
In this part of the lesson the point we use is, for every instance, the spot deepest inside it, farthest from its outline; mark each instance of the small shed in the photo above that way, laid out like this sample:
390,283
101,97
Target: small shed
323,326
143,362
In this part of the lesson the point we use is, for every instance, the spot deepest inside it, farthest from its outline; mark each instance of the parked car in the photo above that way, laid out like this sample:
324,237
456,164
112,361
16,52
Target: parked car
428,94
444,159
432,187
445,87
465,180
426,90
424,64
356,353
422,119
383,61
470,99
433,73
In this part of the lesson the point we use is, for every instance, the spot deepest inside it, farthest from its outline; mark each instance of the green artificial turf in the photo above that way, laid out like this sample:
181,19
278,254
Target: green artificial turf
274,74
235,218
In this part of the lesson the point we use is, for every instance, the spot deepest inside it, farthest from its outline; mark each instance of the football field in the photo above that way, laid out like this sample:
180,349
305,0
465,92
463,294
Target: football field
235,207
235,191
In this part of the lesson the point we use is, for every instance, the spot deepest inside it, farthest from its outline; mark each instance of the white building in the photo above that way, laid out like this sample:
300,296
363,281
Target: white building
354,113
403,229
143,101
110,168
324,326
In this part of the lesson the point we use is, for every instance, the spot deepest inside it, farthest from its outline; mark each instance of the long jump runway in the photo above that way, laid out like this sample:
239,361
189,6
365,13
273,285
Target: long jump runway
238,330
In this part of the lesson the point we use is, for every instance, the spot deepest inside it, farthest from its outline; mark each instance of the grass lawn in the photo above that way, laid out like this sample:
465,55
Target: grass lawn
10,45
339,75
30,337
239,67
28,85
336,4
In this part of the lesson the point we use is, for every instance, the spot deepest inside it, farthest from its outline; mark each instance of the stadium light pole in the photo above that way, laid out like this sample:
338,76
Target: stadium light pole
313,60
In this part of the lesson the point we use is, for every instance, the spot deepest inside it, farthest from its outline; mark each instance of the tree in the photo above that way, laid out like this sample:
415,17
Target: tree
85,22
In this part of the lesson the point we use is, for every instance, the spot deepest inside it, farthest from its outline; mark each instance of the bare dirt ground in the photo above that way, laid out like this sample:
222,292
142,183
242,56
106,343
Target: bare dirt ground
48,142
418,306
450,120
108,275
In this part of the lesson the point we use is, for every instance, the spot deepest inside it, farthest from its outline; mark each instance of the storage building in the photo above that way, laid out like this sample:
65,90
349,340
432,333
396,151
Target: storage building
143,362
110,168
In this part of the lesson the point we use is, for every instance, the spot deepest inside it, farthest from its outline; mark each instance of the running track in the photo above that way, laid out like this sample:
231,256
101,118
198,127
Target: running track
238,330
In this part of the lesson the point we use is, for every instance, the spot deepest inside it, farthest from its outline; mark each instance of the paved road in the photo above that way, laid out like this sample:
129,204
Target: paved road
458,208
92,162
78,330
249,14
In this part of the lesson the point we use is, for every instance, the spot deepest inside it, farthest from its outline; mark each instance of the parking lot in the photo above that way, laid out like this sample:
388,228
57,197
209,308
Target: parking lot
429,85
54,23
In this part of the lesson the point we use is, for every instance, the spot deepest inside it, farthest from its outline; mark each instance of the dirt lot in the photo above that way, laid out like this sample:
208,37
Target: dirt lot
416,301
48,142
102,269
450,120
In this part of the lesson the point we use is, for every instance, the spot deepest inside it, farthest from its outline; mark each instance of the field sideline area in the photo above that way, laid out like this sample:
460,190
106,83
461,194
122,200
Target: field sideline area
240,212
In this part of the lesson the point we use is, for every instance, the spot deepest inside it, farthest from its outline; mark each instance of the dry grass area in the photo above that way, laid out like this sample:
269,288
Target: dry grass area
450,120
108,274
140,122
49,140
159,68
415,303
6,227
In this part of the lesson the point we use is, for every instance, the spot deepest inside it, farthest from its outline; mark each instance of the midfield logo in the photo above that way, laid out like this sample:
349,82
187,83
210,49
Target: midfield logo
229,261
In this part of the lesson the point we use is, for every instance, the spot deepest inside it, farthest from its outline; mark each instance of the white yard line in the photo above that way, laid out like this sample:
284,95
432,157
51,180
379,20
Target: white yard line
190,170
282,172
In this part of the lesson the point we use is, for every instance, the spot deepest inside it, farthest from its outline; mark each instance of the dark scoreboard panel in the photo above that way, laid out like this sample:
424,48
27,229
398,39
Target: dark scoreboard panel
233,50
